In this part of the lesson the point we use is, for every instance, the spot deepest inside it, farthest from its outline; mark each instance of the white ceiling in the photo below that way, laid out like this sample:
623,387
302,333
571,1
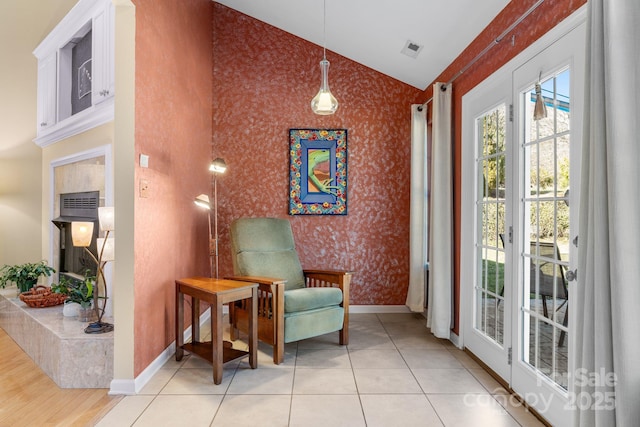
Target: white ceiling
374,32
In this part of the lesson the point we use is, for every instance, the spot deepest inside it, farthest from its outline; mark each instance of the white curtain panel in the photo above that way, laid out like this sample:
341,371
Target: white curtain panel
607,302
419,210
439,313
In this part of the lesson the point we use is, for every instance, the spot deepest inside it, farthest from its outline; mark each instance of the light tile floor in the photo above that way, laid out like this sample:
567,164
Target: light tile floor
392,373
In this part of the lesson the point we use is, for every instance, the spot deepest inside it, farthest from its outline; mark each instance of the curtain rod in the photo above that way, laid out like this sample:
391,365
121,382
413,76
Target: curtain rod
498,39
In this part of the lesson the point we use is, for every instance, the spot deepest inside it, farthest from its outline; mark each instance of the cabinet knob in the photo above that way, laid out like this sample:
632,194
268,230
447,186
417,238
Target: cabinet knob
43,124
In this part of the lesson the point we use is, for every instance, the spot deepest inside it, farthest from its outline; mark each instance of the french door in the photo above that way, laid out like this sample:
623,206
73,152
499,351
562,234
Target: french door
521,165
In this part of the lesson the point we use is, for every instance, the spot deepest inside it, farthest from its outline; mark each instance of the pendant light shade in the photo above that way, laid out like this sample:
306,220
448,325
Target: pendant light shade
540,109
324,102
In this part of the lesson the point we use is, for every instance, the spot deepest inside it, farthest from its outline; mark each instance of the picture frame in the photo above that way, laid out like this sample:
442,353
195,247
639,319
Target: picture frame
318,171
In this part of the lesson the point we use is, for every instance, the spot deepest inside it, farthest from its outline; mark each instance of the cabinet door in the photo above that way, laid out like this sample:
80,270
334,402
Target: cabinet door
47,92
103,54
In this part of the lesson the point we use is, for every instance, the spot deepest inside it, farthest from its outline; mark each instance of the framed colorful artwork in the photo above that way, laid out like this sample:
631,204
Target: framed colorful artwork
318,172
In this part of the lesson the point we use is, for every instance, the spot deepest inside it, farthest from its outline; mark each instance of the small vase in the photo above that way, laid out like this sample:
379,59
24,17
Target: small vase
85,314
70,309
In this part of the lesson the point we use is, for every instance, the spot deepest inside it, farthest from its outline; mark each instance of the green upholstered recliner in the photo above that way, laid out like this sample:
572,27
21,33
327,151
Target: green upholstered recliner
294,304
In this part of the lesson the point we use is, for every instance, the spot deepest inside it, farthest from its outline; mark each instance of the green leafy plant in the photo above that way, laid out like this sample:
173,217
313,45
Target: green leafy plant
25,276
80,292
64,287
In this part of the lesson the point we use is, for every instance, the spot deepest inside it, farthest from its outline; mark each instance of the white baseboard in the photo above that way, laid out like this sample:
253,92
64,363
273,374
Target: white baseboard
131,387
118,387
379,309
455,339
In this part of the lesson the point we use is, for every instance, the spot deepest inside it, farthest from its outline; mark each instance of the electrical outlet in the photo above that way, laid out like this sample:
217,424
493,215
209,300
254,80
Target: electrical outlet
144,188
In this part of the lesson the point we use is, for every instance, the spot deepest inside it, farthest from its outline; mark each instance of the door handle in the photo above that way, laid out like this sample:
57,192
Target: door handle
572,275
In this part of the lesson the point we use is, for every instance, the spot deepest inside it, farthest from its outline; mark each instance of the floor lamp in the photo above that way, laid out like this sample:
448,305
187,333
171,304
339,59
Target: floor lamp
82,234
217,167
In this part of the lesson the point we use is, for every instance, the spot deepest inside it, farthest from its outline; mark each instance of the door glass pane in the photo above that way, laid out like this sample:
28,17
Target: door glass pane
544,300
490,213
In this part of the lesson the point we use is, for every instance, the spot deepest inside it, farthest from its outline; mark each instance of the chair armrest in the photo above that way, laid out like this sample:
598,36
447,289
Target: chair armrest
265,284
257,279
316,278
330,278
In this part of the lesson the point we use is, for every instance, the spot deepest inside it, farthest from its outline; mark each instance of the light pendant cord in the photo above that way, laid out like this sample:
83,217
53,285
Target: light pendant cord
324,29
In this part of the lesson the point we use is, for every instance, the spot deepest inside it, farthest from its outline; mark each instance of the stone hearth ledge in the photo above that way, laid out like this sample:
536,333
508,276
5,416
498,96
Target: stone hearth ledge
58,344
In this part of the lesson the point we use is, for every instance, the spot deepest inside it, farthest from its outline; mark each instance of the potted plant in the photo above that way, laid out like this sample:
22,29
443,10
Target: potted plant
25,276
65,287
81,292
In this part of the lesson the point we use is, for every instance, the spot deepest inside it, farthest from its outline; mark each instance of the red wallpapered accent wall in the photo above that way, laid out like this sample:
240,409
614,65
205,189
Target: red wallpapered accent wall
543,19
264,80
173,127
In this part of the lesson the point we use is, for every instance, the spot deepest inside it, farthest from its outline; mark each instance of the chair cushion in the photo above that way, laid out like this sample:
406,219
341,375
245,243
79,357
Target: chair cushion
311,323
311,298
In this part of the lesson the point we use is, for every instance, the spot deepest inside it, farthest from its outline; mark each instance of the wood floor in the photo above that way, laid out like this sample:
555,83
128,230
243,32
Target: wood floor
28,397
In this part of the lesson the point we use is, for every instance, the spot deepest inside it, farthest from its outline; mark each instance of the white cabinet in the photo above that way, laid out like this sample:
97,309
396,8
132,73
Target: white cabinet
47,91
103,39
76,83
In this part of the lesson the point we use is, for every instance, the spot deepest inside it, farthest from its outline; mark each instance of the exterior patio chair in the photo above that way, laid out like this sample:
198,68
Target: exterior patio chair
293,304
550,275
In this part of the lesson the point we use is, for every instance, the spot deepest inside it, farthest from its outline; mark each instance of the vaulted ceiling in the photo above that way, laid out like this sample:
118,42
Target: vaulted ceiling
375,32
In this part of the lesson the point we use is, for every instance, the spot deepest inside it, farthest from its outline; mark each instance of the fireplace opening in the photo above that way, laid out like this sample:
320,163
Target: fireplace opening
74,262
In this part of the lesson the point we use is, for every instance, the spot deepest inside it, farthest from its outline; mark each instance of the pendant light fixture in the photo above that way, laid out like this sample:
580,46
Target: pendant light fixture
324,102
539,109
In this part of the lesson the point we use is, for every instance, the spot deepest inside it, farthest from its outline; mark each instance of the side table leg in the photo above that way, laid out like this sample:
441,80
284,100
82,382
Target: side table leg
216,339
179,323
253,329
195,319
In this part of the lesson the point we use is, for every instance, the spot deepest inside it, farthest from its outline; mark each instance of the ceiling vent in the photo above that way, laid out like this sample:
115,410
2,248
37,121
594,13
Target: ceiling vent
411,49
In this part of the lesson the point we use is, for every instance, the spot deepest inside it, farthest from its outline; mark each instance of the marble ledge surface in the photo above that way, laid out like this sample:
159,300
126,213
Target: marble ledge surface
58,344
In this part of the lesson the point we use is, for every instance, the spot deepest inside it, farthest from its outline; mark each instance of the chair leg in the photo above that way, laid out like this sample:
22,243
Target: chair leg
278,352
344,335
565,322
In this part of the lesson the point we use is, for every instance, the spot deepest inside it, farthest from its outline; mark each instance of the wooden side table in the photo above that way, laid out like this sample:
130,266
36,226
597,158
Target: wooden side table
216,292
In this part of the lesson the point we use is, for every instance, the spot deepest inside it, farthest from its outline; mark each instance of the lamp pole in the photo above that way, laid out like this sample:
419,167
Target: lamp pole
211,251
215,222
218,166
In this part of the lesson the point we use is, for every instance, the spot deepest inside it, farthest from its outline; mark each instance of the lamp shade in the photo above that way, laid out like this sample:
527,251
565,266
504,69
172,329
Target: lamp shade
106,248
218,166
202,201
106,215
81,233
324,103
